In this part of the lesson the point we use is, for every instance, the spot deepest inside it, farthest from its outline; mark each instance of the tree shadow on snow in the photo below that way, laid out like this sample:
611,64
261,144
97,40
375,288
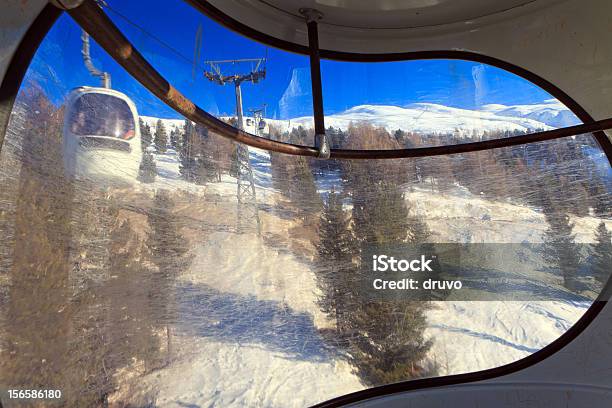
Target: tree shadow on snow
240,319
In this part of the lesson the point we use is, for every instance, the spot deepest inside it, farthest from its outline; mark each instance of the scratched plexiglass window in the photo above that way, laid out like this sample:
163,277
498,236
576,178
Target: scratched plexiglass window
148,261
214,67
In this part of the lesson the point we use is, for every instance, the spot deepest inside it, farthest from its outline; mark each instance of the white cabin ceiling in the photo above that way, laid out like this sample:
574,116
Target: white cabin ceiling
393,14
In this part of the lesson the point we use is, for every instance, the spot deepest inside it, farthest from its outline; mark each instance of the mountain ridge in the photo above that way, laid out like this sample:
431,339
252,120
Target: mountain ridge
427,118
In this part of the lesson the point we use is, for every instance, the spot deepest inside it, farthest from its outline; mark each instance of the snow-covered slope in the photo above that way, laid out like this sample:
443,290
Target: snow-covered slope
223,374
429,118
250,333
477,335
249,327
550,112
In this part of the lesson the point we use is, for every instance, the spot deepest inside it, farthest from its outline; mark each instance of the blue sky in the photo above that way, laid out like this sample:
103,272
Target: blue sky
286,90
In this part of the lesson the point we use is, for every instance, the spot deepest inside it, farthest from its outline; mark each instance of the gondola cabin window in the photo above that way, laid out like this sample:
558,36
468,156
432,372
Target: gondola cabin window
102,115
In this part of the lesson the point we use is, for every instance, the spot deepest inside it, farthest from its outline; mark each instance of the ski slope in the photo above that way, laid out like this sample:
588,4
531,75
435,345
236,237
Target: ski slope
250,331
472,336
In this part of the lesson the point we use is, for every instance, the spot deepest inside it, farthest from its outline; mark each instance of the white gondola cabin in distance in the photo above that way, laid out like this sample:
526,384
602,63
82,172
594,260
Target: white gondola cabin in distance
101,136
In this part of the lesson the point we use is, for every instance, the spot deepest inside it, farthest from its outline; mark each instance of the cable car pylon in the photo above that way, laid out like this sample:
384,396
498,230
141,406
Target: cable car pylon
247,211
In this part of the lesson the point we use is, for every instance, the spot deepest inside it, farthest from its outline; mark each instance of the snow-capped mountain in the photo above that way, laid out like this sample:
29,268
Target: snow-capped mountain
429,118
551,112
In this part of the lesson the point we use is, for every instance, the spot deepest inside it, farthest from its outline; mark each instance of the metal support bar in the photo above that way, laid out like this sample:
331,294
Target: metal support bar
321,143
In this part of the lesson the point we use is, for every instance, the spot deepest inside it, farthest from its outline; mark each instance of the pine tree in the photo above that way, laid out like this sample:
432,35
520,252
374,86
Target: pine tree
444,174
175,139
299,136
302,188
278,165
576,198
145,135
559,248
221,150
385,336
132,332
366,136
37,307
380,212
148,169
387,342
168,252
600,197
602,254
205,169
335,269
337,137
204,166
233,171
419,235
187,152
293,177
161,138
165,243
400,136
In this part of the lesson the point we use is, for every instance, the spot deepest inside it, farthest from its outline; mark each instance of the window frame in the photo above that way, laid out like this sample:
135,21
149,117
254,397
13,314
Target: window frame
39,28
